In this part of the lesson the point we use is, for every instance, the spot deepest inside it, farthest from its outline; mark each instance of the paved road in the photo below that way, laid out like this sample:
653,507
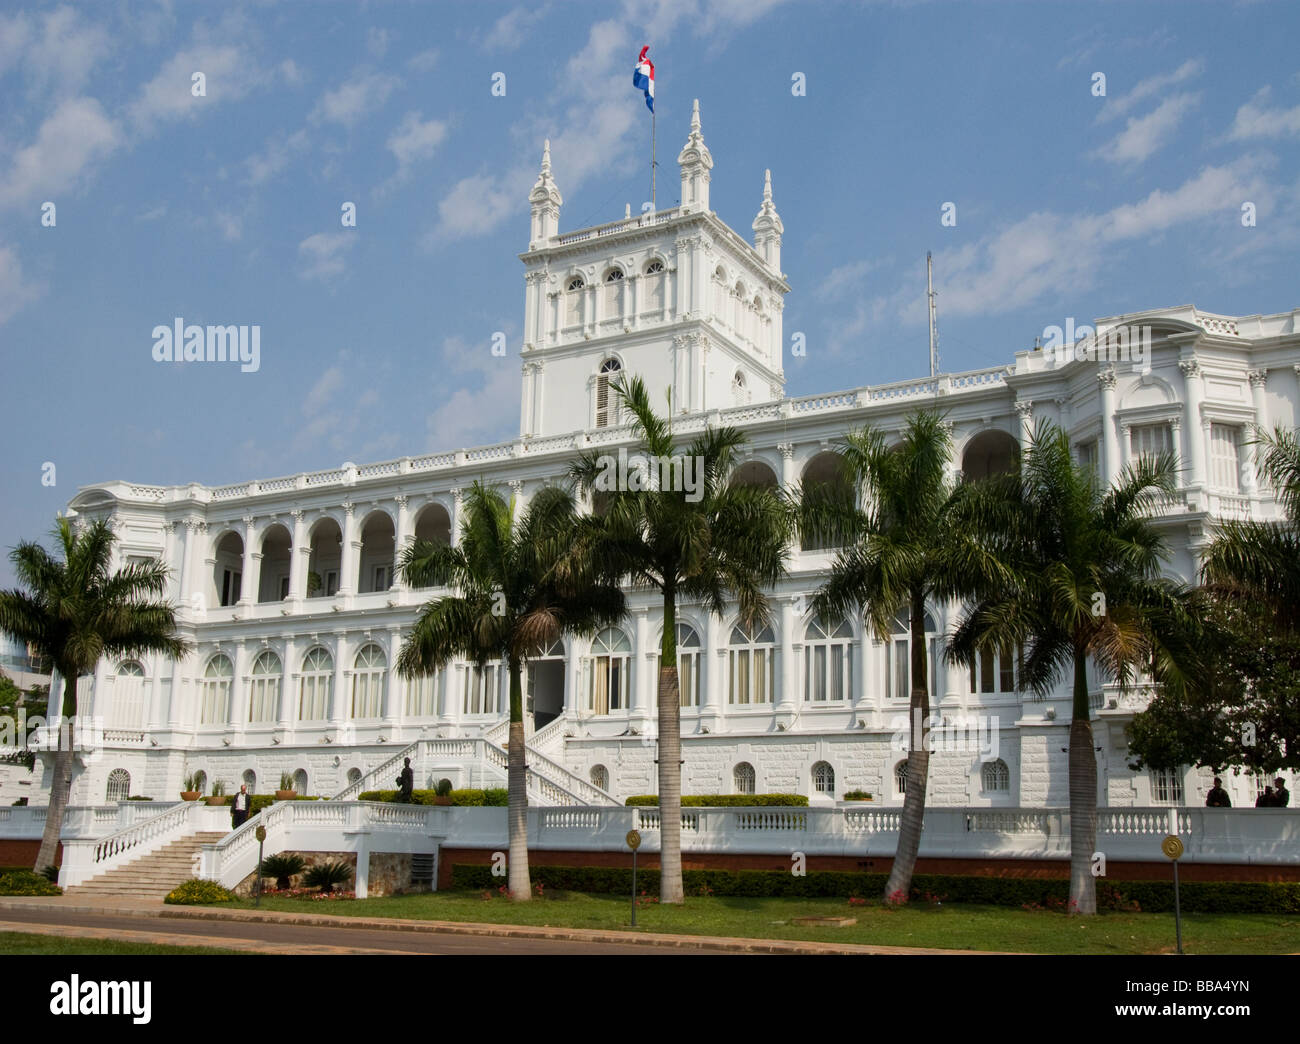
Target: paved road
259,937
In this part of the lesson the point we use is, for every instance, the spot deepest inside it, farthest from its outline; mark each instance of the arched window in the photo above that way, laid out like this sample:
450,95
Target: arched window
608,671
200,781
828,661
654,267
995,775
650,297
744,779
368,682
614,275
250,780
823,777
119,785
300,782
752,670
900,777
215,699
994,671
482,685
600,777
573,301
613,293
576,283
128,696
354,775
688,666
264,687
739,393
422,696
606,397
898,664
1167,786
314,685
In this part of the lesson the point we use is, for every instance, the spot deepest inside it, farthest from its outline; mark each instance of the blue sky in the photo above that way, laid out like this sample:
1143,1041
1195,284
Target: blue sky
376,340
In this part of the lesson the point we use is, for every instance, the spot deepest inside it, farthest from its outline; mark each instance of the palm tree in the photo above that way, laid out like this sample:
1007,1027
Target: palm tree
901,547
74,611
520,585
706,541
1261,560
1087,585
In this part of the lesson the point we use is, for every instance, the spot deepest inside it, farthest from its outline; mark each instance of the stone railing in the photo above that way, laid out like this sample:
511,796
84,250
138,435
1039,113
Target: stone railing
84,858
27,822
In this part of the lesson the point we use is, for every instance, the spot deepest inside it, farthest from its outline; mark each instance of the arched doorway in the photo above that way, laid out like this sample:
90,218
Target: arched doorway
544,687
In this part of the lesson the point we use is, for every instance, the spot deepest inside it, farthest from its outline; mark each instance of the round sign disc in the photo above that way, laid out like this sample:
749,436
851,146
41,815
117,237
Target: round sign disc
260,833
633,840
1172,846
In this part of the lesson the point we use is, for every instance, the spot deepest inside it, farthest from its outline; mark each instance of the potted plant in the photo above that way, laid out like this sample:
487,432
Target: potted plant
286,791
191,791
218,796
859,795
442,792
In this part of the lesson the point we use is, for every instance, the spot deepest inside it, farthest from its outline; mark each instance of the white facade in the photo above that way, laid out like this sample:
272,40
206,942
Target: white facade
297,677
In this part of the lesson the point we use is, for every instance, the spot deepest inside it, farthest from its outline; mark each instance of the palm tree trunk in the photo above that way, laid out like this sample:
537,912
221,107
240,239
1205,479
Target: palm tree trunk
899,885
670,761
61,784
517,795
1083,795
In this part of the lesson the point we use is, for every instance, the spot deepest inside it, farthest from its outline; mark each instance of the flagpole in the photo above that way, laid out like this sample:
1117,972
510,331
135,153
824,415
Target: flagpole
654,201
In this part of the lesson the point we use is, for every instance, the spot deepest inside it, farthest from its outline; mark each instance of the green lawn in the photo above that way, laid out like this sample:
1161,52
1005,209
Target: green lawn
946,926
15,943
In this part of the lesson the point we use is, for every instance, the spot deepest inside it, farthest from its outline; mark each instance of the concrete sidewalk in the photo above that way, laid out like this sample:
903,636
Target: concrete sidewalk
725,944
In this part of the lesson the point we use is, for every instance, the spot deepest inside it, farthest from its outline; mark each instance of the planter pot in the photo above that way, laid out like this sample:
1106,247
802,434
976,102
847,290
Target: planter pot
216,800
441,800
189,795
285,795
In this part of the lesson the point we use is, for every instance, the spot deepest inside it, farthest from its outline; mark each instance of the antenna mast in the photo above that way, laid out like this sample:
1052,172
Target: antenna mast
929,293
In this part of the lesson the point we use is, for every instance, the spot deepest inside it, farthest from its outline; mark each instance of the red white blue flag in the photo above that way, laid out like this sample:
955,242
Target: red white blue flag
643,77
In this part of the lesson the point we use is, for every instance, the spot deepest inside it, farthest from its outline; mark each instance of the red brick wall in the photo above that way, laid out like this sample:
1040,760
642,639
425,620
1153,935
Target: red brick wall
1115,870
23,853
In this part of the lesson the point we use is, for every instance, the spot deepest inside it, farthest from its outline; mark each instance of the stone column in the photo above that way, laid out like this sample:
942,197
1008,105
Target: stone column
787,699
641,701
170,560
1025,409
403,536
1252,470
394,707
1109,444
248,585
288,697
340,703
787,465
299,558
239,685
350,553
1194,390
455,517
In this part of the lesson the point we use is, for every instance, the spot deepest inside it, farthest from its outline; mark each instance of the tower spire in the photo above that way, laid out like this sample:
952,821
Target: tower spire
696,161
768,228
544,202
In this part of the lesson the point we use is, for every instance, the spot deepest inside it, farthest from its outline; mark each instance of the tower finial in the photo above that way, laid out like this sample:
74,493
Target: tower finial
695,116
767,186
544,201
546,156
696,162
768,228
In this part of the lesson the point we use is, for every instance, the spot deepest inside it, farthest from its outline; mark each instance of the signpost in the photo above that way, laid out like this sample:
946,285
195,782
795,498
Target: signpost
1172,847
633,842
260,834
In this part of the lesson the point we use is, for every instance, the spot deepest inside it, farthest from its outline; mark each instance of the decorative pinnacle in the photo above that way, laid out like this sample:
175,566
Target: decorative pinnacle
767,186
695,116
546,157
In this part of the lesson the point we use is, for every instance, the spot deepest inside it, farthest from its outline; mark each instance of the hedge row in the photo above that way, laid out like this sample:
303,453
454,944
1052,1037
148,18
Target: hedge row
261,801
725,800
24,882
1151,896
492,796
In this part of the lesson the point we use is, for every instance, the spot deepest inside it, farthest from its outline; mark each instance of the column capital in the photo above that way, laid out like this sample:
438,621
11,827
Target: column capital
1257,378
786,449
1107,380
400,500
298,514
348,507
1190,367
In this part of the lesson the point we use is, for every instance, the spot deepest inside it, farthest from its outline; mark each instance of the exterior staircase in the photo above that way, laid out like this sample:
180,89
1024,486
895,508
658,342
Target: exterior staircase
150,876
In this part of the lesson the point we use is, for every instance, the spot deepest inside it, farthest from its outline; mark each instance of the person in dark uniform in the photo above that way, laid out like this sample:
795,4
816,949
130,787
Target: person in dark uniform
406,783
241,806
1217,797
1281,796
1266,799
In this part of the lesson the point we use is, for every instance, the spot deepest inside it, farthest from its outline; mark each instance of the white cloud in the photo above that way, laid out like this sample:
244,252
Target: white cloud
513,27
322,254
15,291
231,226
355,98
73,137
1145,135
291,73
59,54
229,73
424,61
473,415
319,394
412,141
480,203
274,159
1255,121
377,41
1152,85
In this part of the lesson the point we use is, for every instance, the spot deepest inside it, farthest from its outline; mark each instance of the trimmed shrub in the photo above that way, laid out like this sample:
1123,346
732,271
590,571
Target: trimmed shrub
326,875
139,797
24,882
494,797
198,893
282,867
725,800
1266,897
858,795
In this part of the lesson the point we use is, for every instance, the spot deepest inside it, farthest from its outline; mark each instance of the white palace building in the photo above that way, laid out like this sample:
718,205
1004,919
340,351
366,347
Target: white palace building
287,587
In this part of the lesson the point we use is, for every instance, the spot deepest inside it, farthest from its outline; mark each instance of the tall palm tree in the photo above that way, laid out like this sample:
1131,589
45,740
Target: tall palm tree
519,586
708,543
900,547
74,611
1261,560
1087,585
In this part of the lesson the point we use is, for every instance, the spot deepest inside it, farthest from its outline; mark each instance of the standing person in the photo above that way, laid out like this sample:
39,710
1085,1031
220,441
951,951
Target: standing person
1266,799
241,807
406,783
1217,797
1281,796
